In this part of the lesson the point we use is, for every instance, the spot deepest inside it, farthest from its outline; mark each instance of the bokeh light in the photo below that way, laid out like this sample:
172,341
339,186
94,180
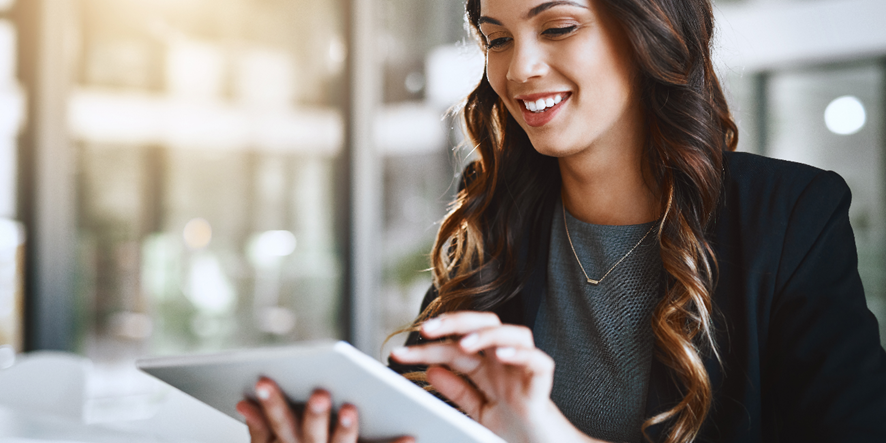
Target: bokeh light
845,115
271,244
197,233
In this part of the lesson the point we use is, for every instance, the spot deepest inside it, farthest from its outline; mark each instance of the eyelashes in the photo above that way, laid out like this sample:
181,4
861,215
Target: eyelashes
498,43
560,31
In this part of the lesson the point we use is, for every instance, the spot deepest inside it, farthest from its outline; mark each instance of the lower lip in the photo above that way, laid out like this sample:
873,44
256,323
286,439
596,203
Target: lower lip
536,119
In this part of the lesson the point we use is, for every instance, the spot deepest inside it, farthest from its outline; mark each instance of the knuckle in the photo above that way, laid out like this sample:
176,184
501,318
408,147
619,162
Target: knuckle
467,364
526,333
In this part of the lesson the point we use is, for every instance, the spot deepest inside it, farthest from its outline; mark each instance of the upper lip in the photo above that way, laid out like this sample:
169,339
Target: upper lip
538,95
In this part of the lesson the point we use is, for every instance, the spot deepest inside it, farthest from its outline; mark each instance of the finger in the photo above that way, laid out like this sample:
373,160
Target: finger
404,440
315,424
534,360
449,354
346,427
277,411
458,323
456,389
505,335
259,430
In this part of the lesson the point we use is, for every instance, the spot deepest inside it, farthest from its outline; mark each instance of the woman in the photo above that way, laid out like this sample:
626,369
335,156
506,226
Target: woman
685,292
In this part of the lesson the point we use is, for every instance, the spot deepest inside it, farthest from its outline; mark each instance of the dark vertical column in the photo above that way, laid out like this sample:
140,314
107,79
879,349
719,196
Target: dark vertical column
342,181
761,111
882,130
882,124
47,173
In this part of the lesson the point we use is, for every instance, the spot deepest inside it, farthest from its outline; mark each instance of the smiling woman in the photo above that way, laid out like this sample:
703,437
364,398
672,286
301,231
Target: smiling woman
612,271
602,150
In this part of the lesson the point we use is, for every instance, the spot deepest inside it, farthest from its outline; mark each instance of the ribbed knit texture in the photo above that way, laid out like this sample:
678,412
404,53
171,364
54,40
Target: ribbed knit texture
600,336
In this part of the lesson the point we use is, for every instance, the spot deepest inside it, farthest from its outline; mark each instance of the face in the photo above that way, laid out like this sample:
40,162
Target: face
564,71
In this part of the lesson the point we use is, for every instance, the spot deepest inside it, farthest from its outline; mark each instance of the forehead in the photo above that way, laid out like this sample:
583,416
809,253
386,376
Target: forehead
525,7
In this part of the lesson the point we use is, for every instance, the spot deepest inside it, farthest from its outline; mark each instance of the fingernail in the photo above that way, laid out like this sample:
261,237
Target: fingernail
505,352
346,421
263,393
470,340
432,325
400,351
319,406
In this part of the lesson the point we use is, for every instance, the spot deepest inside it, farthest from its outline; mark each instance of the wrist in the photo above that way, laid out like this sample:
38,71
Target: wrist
549,425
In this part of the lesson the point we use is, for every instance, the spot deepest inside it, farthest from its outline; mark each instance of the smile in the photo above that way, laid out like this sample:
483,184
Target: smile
543,103
540,108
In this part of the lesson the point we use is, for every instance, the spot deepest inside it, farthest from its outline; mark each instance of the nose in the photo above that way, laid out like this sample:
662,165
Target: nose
527,61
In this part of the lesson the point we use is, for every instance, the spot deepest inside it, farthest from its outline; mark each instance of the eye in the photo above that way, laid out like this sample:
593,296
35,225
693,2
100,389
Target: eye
559,31
497,43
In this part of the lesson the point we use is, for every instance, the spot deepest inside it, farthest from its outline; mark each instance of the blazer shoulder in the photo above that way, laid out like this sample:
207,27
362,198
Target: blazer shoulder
771,208
755,172
774,186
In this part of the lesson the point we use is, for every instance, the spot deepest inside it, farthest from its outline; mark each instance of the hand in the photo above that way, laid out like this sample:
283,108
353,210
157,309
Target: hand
512,379
272,420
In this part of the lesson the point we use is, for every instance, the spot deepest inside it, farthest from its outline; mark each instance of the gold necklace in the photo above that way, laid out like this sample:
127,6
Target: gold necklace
591,280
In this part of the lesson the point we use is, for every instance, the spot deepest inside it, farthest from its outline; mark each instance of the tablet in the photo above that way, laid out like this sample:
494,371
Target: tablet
388,404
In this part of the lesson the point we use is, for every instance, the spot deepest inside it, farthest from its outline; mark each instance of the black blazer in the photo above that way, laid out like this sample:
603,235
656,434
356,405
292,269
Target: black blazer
801,353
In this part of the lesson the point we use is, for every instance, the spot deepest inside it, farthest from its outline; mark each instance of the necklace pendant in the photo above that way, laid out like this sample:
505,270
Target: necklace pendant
591,281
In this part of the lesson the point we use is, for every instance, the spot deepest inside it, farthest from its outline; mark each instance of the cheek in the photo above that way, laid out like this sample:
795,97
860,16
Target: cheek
496,74
603,78
619,90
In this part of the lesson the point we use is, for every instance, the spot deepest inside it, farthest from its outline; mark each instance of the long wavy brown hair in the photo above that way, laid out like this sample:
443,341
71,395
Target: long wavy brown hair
476,257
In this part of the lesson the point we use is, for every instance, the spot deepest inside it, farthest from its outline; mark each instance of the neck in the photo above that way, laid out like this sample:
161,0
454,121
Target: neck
609,186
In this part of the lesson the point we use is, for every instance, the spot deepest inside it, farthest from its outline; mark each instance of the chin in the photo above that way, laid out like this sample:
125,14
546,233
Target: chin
553,146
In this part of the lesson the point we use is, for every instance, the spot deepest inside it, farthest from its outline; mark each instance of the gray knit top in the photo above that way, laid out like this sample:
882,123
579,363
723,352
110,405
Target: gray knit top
600,336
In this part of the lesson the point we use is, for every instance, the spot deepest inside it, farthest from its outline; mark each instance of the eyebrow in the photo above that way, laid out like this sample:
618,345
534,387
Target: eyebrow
545,6
534,11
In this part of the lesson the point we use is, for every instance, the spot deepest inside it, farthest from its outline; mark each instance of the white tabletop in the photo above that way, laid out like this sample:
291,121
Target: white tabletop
20,427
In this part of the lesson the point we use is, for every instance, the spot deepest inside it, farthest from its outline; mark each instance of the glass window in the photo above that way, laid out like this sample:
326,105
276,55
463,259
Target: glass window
209,135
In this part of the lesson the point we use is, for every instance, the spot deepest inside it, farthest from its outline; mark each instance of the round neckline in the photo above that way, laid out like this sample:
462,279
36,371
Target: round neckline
573,221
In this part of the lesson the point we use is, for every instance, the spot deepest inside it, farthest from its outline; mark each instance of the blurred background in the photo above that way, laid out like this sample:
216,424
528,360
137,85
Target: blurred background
195,175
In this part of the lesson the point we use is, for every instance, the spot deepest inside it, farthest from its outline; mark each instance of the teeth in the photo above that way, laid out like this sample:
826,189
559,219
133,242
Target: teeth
542,103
